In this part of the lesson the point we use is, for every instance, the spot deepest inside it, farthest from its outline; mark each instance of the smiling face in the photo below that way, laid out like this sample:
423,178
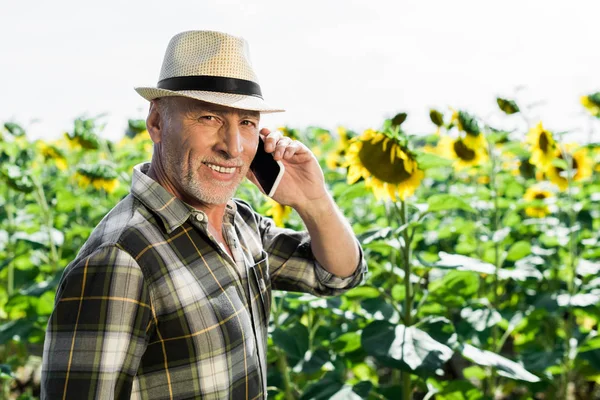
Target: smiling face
204,149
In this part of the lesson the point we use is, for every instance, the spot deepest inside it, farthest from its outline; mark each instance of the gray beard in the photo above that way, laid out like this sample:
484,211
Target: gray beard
205,195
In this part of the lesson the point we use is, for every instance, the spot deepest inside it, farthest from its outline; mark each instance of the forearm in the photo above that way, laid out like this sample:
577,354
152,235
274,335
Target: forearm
332,240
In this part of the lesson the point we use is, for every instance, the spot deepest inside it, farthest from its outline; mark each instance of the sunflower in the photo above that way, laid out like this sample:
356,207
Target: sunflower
543,147
468,124
464,156
387,167
51,152
592,103
100,176
580,162
278,212
538,195
335,158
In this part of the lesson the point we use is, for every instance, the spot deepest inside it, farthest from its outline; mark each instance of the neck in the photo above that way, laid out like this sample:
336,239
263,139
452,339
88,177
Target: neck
214,212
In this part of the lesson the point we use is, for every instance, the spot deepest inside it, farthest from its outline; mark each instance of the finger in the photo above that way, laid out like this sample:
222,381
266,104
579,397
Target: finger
282,144
291,150
264,132
271,141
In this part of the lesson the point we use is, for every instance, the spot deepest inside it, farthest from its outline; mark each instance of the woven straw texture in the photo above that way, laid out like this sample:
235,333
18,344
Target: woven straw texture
209,53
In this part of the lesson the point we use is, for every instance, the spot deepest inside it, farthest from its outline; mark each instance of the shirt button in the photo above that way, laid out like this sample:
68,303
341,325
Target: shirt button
199,217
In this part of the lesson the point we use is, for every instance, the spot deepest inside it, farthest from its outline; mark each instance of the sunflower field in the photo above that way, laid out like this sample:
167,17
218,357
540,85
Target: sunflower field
483,248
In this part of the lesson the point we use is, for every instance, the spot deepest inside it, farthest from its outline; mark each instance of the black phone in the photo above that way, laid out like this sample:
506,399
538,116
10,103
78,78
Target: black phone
267,171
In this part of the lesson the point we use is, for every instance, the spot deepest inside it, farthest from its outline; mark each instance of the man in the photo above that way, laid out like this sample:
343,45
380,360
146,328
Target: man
170,296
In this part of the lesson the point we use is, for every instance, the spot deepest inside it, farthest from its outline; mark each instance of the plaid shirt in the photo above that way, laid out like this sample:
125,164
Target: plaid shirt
154,308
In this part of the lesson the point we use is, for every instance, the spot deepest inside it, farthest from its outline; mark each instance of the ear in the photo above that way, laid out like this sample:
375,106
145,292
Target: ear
154,123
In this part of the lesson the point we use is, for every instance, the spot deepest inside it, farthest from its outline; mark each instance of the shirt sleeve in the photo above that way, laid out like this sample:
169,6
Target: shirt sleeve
293,267
96,334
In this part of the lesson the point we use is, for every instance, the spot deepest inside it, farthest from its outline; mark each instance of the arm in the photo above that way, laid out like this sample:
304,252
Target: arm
96,334
332,239
332,242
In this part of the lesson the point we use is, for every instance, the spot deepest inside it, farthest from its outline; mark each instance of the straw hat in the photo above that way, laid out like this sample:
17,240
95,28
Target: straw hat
209,66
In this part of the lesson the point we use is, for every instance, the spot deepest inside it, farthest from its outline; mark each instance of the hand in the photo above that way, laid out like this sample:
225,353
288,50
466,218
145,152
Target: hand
302,181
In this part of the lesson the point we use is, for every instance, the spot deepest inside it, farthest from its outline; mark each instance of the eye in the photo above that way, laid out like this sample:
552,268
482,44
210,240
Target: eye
249,123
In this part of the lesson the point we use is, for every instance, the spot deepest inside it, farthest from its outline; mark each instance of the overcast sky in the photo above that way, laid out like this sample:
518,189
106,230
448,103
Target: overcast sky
329,63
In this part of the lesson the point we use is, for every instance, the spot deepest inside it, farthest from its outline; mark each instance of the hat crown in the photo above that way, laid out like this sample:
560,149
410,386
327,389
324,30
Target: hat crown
207,53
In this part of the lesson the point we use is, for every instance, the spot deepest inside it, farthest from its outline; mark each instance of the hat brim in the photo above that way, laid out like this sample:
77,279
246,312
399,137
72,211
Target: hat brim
239,101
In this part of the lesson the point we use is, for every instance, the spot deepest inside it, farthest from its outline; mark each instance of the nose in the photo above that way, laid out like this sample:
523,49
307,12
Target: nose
232,141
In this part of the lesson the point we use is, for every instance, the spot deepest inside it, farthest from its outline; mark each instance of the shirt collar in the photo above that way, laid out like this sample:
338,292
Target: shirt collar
172,211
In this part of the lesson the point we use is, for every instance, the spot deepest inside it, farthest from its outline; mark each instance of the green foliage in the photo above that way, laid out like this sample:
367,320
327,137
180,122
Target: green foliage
467,295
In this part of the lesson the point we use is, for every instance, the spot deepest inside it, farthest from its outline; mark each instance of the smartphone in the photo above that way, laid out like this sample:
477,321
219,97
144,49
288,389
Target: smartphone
267,171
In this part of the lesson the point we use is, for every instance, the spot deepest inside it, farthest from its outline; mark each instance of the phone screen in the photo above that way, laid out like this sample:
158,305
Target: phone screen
266,170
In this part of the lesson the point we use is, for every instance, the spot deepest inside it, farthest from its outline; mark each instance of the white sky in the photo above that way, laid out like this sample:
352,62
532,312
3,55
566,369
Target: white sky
329,63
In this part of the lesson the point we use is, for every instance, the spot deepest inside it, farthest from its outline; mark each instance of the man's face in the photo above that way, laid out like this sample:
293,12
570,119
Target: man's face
206,149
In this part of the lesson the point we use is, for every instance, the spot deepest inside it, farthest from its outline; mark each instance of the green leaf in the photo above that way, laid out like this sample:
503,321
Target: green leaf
585,268
519,250
454,288
508,106
374,234
363,292
504,366
444,202
592,343
41,239
18,329
398,292
480,319
582,300
427,161
457,390
440,329
391,392
315,361
348,342
398,119
436,117
593,357
406,348
363,388
46,304
560,163
293,340
463,263
346,393
540,361
14,129
40,288
328,386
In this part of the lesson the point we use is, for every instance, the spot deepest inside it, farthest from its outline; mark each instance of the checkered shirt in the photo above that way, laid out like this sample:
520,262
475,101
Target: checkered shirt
153,308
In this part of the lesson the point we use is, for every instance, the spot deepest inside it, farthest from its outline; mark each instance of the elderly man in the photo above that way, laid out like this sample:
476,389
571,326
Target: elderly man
170,296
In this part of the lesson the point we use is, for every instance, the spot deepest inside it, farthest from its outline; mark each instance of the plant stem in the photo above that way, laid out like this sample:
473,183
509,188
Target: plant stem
497,261
282,364
408,298
10,284
49,223
569,322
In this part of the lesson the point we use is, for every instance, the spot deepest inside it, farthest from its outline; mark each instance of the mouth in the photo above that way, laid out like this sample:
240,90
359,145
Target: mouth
220,168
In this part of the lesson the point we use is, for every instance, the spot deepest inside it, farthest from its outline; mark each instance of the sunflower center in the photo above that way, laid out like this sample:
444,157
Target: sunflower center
574,163
462,151
543,142
540,196
377,161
